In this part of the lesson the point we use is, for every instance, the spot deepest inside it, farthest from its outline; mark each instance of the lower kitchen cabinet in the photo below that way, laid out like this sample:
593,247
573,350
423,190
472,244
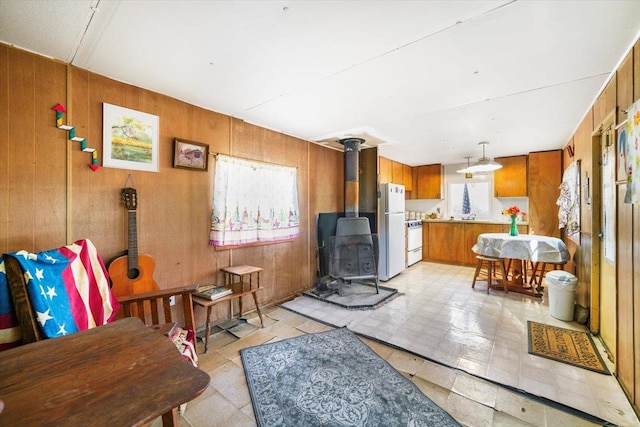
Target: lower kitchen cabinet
451,241
446,242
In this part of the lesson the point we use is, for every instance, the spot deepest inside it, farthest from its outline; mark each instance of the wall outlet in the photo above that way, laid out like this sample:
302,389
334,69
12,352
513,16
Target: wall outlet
172,300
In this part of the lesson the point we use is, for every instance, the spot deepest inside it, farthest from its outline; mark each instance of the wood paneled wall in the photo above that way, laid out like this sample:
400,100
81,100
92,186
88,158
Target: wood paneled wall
43,204
620,92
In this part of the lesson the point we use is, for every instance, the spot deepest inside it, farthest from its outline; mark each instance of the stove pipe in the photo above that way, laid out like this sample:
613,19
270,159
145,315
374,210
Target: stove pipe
351,171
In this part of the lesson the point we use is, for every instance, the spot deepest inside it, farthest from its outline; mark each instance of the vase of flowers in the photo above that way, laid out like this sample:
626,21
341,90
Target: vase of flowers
513,212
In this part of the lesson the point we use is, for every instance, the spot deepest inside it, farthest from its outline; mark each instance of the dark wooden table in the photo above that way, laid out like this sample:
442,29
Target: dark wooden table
120,374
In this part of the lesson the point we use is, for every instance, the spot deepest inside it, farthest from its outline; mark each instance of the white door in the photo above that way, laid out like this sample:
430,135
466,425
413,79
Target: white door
607,243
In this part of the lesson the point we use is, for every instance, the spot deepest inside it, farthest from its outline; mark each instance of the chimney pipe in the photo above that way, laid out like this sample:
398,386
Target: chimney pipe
351,179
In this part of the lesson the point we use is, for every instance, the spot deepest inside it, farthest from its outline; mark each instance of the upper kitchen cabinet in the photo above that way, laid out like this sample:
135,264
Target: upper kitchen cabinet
430,182
386,170
545,176
511,179
397,173
407,171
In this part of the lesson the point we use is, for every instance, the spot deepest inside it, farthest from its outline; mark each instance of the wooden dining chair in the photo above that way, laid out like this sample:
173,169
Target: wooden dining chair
486,267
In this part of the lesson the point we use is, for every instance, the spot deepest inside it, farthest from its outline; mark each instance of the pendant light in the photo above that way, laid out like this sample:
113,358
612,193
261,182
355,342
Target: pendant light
465,171
484,164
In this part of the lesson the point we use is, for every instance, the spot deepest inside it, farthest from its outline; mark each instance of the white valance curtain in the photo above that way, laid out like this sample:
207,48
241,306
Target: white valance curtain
253,202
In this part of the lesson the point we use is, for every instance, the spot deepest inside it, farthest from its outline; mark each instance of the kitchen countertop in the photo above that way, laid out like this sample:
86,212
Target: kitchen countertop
475,221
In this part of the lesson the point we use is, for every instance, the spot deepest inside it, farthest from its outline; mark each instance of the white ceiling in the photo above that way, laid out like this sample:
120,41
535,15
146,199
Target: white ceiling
425,80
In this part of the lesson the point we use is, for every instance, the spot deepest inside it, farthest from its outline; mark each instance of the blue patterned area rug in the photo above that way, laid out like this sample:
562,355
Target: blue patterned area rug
333,379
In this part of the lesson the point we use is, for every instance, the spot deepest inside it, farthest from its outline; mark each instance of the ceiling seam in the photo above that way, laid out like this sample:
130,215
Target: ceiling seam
366,61
508,95
94,10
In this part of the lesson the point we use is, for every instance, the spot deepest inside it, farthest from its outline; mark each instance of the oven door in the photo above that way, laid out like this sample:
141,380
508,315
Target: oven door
414,236
414,256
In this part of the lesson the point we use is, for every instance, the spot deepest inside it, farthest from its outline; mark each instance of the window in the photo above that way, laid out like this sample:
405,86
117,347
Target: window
476,202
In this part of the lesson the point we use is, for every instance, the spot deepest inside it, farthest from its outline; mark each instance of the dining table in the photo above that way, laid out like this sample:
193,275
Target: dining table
120,374
522,248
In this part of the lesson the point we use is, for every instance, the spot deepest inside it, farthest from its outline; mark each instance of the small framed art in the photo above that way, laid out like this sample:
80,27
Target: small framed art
190,155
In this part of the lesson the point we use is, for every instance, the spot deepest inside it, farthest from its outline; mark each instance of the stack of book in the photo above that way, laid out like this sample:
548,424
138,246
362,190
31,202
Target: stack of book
212,292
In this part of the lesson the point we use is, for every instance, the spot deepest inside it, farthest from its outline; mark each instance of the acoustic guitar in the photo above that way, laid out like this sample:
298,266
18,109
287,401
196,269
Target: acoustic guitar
132,273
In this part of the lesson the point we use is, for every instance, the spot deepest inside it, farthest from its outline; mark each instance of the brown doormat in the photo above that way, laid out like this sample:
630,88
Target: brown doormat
564,345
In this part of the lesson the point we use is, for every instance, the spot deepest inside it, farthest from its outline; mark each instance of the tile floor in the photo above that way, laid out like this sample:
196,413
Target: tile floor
464,336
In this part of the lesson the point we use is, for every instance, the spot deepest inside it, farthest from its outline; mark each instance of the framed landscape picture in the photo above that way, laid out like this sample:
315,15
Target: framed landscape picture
130,139
190,155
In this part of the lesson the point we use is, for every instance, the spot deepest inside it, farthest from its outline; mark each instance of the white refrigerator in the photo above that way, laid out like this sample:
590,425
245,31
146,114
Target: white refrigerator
391,231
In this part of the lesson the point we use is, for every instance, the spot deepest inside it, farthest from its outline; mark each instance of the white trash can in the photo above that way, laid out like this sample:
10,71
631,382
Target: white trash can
562,297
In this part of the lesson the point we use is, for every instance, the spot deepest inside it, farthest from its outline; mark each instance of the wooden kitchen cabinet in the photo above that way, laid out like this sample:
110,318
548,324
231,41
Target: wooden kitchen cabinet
397,173
425,241
511,179
386,170
545,176
451,241
446,242
430,182
471,233
407,172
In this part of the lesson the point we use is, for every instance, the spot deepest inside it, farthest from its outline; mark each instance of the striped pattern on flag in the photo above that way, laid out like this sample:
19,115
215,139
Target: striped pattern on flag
68,288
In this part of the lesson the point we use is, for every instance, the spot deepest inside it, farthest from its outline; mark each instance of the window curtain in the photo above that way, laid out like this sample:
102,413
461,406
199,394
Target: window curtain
253,202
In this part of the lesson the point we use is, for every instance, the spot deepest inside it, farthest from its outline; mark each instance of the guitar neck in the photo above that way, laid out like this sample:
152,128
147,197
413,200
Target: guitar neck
132,253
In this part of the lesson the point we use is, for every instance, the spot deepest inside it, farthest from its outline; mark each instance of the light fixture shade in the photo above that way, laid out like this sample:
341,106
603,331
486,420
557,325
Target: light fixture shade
484,164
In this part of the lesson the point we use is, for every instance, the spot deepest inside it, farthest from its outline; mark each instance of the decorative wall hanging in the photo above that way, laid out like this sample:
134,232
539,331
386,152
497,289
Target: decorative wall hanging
190,155
633,154
60,110
621,153
569,201
130,139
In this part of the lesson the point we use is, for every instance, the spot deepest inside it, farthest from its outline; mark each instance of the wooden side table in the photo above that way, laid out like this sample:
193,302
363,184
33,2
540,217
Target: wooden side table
234,277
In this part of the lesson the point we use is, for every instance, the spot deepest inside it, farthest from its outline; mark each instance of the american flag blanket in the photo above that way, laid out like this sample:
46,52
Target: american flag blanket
68,288
10,335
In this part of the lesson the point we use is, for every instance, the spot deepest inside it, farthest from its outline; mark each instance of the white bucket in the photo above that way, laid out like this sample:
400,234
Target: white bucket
561,286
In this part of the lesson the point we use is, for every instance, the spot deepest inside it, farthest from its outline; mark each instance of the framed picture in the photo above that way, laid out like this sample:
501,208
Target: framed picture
130,139
621,154
190,155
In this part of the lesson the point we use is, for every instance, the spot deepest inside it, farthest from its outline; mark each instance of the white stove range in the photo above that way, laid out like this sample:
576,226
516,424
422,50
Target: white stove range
413,241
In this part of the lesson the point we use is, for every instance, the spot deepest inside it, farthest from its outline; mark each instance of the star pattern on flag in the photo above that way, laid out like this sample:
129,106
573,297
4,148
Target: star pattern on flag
27,255
50,258
62,330
43,317
51,292
39,273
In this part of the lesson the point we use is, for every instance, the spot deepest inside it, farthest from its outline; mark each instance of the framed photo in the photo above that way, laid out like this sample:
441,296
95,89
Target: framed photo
130,139
190,155
621,154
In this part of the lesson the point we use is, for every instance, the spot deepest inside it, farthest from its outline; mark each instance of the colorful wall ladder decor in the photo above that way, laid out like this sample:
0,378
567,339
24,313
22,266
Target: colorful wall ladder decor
60,110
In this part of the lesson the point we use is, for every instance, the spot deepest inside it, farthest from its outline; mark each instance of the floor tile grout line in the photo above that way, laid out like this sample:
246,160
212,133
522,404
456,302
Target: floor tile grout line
541,399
